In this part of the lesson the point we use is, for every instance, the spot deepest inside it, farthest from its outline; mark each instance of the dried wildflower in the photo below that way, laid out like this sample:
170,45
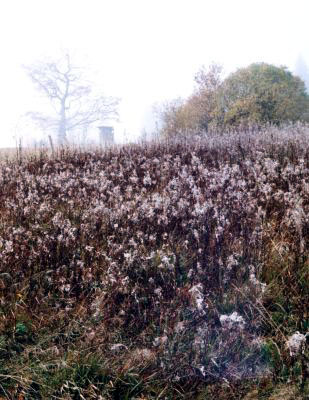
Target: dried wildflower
259,286
198,297
232,321
9,246
147,180
179,327
158,291
159,341
117,347
296,344
202,370
89,248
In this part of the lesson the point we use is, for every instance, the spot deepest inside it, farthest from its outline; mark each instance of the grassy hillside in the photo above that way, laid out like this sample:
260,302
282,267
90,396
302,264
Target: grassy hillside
172,270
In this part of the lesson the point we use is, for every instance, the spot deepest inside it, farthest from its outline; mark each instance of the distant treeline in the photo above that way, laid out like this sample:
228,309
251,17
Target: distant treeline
259,95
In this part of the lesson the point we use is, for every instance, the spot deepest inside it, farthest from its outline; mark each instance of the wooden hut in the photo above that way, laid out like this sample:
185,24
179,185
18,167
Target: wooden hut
106,135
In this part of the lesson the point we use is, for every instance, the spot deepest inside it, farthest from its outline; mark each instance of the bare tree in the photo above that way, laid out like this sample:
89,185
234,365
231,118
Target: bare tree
75,106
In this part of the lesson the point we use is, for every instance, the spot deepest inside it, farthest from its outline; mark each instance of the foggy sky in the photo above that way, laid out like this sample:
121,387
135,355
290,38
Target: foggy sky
144,51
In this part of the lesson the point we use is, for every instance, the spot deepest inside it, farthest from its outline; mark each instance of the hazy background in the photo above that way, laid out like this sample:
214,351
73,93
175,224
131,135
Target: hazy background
143,51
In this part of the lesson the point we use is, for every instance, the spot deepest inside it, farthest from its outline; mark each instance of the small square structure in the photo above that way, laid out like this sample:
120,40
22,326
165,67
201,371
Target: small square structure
106,135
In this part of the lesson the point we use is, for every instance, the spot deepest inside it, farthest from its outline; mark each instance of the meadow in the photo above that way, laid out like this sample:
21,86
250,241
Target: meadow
168,270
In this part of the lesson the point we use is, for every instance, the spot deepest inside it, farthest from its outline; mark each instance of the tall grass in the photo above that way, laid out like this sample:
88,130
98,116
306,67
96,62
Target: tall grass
155,270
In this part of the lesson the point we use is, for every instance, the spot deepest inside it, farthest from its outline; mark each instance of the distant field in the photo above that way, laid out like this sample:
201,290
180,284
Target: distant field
13,152
6,151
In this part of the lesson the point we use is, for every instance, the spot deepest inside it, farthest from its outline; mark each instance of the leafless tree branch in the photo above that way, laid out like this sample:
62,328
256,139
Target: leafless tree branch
71,96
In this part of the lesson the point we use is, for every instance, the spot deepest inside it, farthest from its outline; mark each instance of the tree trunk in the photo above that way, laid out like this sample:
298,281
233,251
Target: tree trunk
62,127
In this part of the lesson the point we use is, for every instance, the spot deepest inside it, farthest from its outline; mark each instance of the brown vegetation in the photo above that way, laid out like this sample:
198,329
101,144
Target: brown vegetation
158,271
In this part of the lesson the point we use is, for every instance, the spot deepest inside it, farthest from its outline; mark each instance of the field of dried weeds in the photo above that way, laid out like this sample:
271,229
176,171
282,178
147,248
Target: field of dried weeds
169,270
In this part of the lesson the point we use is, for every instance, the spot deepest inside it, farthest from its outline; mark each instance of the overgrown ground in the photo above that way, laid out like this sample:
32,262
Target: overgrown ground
173,270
